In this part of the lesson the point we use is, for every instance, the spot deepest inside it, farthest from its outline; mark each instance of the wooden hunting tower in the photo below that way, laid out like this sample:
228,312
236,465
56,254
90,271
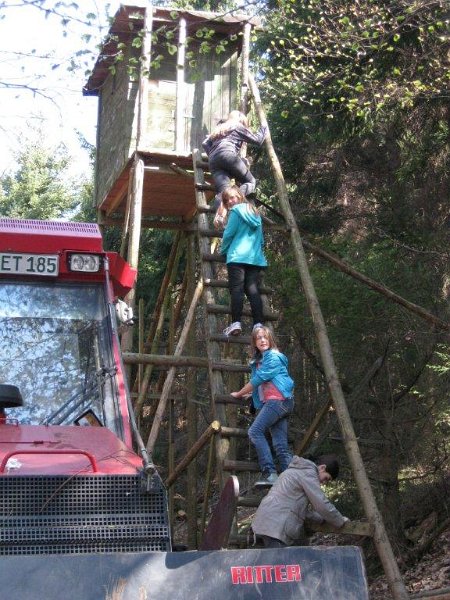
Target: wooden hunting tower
164,78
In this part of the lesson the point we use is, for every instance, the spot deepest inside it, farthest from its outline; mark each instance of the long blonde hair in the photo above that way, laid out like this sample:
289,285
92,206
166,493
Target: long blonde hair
233,190
234,118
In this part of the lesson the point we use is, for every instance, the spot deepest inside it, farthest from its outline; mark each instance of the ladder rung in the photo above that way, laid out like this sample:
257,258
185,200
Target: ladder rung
205,187
227,399
234,431
250,501
212,233
205,209
231,339
222,309
240,465
243,541
218,283
218,234
202,164
215,257
228,366
223,283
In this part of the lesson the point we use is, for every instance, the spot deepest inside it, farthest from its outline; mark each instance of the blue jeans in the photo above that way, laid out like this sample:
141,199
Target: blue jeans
272,417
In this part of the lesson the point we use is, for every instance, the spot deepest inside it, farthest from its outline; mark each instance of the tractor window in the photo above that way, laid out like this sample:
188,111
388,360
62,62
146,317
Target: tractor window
56,347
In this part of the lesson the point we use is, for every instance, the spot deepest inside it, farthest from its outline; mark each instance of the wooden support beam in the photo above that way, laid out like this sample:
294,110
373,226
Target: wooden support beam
357,392
134,238
441,594
306,439
159,313
231,367
164,360
181,171
213,428
380,537
341,265
171,374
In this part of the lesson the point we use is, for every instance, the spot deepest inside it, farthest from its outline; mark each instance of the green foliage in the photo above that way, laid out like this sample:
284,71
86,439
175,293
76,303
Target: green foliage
154,251
40,187
354,61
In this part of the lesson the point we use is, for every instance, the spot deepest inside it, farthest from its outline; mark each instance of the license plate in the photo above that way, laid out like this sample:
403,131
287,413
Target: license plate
29,264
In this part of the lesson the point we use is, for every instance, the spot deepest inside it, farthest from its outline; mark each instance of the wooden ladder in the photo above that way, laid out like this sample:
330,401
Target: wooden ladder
228,356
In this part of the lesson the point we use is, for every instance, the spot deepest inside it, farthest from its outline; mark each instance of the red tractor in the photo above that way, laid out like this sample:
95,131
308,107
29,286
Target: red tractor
83,511
70,479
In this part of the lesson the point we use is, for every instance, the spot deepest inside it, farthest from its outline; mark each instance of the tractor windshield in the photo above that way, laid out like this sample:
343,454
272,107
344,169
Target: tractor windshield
56,348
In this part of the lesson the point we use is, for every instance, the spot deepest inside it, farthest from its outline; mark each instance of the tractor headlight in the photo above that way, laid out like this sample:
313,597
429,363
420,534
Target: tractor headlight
88,263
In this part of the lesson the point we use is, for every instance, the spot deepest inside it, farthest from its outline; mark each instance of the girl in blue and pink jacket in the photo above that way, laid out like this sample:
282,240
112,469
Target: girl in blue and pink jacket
272,392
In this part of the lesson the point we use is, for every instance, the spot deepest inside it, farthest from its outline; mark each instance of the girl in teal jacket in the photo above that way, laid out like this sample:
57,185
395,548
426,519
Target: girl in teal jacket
242,245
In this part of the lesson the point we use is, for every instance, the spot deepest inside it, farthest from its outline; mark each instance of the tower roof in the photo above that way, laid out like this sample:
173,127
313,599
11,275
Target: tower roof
128,21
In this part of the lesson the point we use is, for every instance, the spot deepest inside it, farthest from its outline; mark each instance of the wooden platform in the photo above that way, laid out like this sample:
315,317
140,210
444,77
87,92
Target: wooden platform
168,187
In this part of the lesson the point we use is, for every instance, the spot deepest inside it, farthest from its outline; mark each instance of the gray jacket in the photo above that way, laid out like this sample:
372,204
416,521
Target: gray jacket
283,511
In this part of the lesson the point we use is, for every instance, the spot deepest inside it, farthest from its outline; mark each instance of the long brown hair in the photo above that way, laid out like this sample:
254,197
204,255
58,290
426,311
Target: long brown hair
270,338
234,118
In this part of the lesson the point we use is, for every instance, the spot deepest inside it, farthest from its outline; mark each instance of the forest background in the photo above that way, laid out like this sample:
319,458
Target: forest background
358,103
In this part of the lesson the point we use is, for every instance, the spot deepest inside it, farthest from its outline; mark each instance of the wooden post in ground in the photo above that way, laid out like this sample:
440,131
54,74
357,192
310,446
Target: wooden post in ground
134,238
191,409
380,537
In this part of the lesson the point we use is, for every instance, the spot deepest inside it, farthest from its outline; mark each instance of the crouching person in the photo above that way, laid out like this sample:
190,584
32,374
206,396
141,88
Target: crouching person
297,497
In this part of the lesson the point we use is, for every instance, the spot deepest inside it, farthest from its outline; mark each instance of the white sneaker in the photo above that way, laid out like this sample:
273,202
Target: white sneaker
233,329
257,326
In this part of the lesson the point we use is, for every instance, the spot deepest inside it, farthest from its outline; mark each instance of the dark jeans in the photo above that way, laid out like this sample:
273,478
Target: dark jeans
227,165
246,278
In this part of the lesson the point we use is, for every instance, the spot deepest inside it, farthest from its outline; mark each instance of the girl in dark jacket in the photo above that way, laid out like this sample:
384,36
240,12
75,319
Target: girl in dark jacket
223,146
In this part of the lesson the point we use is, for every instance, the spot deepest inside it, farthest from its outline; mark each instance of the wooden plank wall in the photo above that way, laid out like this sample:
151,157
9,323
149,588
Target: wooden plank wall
117,124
